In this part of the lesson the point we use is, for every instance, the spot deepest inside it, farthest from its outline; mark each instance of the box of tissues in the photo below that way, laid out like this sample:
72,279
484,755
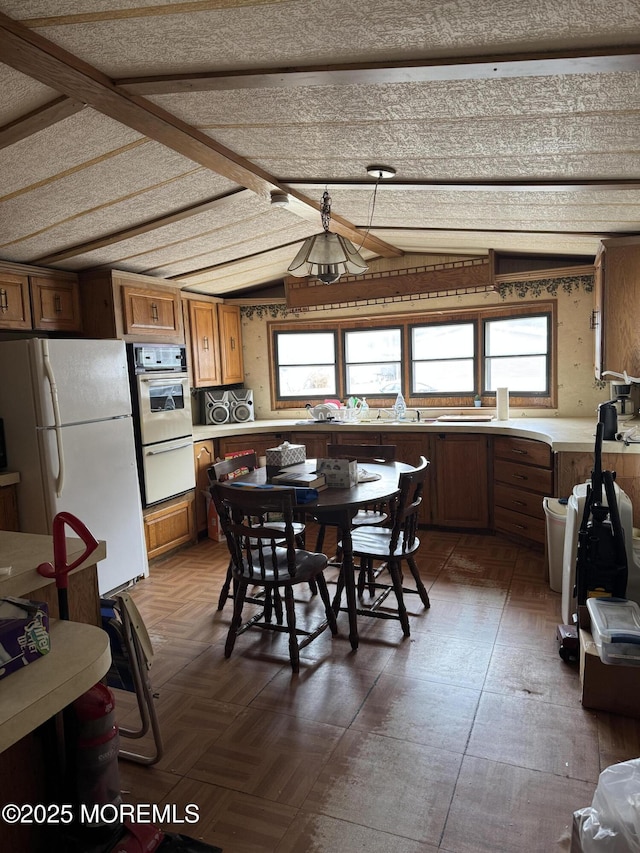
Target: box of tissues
339,473
24,633
285,454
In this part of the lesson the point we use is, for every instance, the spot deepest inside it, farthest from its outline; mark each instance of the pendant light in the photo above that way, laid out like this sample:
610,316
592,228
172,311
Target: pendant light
327,256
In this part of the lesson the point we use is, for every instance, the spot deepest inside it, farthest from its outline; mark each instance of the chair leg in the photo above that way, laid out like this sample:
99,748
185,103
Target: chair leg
324,595
422,592
396,578
226,586
294,652
236,620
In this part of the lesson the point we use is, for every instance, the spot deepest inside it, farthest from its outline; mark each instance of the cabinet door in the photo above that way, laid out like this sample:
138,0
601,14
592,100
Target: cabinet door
315,442
203,459
9,508
205,347
361,437
409,448
622,308
258,442
151,312
56,304
15,309
232,365
461,480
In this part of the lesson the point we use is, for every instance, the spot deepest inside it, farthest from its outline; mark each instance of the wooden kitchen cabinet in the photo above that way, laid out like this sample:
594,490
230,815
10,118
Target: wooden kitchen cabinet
315,442
459,476
169,525
230,329
203,459
619,269
409,448
258,442
9,508
205,344
151,312
523,475
118,304
55,304
15,305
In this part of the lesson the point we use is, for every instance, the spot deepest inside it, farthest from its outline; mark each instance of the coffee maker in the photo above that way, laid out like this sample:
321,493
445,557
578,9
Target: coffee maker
621,398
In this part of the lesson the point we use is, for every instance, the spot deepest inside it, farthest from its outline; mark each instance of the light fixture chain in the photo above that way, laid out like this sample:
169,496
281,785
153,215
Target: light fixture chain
325,213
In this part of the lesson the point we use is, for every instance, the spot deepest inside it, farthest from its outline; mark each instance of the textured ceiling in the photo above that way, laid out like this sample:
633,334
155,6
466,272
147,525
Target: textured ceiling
148,135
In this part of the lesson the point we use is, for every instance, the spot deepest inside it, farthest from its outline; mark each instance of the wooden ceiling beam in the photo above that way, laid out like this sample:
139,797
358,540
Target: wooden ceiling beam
546,186
30,53
38,119
493,67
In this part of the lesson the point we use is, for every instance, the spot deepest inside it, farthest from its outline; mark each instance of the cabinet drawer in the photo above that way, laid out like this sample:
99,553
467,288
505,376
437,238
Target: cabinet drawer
507,521
523,450
524,476
517,500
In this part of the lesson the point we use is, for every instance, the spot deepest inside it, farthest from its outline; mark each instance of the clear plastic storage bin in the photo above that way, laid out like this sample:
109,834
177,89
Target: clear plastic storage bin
615,626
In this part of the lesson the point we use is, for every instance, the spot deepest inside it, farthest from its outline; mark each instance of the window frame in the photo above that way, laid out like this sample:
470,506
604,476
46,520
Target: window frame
344,331
274,378
521,394
406,322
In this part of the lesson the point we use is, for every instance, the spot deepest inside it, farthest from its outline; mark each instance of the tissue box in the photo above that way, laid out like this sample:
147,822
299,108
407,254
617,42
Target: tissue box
339,473
24,633
285,454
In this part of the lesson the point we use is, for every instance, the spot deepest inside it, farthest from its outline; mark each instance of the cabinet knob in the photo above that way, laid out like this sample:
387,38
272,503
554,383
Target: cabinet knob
57,305
4,302
205,343
154,312
594,320
233,343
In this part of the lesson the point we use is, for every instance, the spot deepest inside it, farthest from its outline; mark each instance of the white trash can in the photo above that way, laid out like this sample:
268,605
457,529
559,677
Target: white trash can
556,522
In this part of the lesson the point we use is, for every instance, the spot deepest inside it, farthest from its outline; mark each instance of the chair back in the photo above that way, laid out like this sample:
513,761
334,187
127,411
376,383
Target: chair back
258,550
363,452
405,510
226,468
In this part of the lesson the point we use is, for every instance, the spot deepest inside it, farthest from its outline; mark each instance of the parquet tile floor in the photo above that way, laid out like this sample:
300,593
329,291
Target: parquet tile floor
467,737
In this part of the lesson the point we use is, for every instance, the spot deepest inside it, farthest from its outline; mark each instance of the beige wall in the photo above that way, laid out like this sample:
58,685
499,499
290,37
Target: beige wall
578,392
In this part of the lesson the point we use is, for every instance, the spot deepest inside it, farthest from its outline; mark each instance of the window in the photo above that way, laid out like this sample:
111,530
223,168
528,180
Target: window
442,358
516,355
306,364
436,359
373,361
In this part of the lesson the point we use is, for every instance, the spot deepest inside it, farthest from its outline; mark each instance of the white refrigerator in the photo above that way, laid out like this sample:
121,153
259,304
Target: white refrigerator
66,406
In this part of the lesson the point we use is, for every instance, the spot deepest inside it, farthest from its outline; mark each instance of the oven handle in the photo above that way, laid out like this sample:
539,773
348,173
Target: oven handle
168,449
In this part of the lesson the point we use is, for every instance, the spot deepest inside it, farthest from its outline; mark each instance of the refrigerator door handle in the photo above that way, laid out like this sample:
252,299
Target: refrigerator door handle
168,449
48,369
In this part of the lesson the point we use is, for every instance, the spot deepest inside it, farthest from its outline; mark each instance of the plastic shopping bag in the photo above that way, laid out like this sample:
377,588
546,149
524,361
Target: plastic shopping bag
612,823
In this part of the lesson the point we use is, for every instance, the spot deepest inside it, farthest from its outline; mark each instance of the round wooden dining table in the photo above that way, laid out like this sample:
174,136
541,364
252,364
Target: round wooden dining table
337,507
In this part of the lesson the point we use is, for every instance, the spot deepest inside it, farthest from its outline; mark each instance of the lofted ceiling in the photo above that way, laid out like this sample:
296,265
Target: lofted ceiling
148,135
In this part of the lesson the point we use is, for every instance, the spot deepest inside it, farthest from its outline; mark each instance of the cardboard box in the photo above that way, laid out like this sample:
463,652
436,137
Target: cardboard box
24,633
607,687
285,454
339,473
214,528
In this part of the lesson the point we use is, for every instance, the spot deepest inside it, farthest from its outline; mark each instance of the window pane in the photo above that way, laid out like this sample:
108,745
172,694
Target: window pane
372,346
525,374
307,380
306,348
373,378
518,336
446,377
453,340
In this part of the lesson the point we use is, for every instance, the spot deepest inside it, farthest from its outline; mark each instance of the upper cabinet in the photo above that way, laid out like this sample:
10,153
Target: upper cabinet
56,304
32,298
618,278
216,343
15,308
205,344
125,305
230,344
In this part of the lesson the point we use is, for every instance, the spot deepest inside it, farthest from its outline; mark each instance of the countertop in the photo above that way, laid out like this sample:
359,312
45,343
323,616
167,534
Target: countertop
561,434
24,552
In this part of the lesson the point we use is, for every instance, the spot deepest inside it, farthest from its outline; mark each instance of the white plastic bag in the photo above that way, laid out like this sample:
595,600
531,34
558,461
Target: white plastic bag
612,823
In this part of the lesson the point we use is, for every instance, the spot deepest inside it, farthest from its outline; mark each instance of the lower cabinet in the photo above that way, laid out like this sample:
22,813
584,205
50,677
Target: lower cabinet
523,475
460,480
258,442
9,508
169,525
409,448
315,442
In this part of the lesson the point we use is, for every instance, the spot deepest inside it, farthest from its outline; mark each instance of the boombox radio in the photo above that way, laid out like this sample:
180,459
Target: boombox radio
221,407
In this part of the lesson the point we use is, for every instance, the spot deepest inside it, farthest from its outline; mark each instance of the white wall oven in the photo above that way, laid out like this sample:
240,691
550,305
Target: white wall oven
164,431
